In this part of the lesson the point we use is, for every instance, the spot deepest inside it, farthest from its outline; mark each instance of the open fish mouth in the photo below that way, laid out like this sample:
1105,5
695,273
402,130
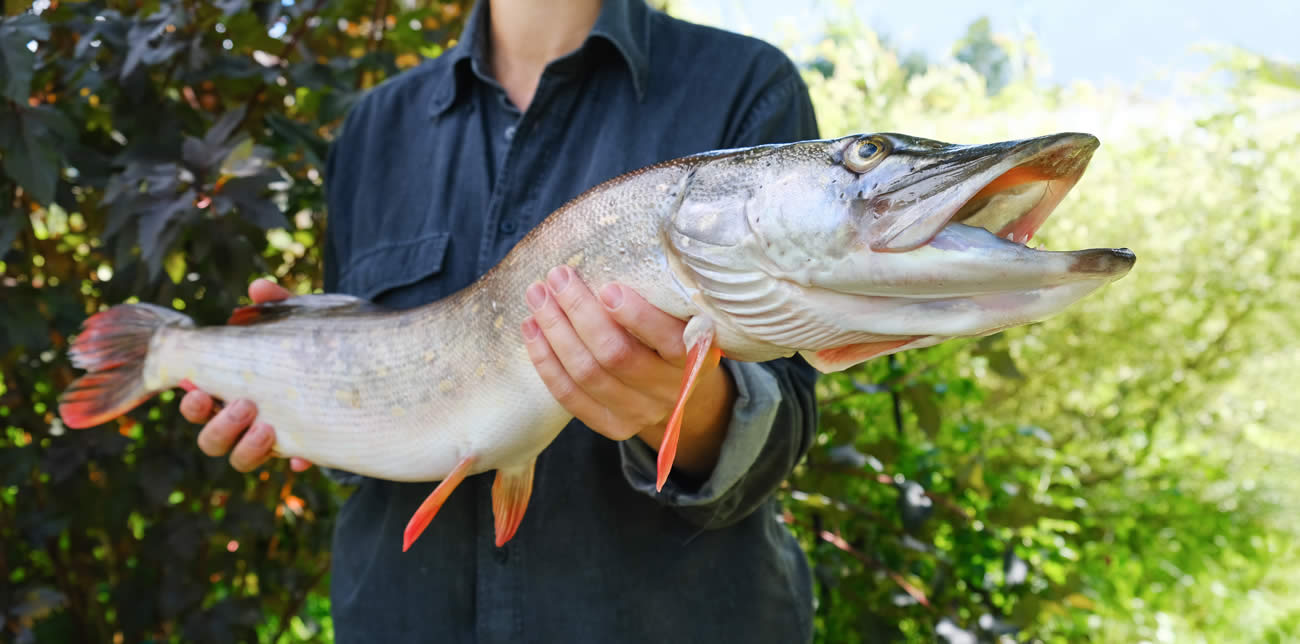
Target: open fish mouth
1017,202
1014,203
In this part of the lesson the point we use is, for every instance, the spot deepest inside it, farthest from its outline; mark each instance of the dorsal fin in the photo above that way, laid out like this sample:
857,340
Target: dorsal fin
301,305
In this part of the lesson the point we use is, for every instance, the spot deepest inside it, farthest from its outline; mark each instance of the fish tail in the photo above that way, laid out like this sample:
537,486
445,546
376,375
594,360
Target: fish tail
112,347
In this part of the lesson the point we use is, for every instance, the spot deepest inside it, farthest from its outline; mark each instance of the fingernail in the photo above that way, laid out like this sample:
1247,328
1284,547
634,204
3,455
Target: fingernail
262,434
612,296
536,295
559,278
530,329
241,410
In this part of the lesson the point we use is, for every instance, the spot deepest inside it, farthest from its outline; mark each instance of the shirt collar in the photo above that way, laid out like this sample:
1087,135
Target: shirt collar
625,24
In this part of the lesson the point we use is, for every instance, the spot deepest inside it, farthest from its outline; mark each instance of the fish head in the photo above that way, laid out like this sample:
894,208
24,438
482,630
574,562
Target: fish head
874,239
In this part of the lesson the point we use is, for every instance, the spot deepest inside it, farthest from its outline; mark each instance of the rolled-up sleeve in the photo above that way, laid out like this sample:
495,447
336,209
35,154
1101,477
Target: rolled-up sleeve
774,417
771,428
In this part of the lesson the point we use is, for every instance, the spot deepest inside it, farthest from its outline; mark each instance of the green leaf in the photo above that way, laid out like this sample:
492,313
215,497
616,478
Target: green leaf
17,62
922,400
1003,364
31,157
159,227
12,222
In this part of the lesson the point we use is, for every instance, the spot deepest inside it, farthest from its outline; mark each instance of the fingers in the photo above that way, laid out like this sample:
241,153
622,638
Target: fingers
254,448
225,430
251,448
219,435
264,290
579,364
567,391
662,332
597,334
196,407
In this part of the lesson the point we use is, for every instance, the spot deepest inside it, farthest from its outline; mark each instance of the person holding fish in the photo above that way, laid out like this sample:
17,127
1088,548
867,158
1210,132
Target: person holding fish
500,324
436,175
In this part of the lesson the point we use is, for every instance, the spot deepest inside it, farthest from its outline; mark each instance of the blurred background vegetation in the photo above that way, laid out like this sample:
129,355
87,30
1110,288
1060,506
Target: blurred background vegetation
1124,472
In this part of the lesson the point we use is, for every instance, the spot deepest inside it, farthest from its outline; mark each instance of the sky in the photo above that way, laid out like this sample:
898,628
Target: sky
1126,42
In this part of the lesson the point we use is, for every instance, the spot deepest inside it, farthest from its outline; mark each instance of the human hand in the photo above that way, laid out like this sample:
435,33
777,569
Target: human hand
616,362
237,424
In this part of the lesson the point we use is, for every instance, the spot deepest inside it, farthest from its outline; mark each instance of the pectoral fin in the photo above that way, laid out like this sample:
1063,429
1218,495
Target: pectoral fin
700,354
841,358
424,514
510,492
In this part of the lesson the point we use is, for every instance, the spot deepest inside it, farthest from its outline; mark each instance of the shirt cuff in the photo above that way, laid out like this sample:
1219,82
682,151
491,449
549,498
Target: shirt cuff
758,397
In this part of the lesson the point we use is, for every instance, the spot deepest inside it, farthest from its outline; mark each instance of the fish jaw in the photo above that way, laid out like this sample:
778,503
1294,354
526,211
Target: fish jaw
1009,188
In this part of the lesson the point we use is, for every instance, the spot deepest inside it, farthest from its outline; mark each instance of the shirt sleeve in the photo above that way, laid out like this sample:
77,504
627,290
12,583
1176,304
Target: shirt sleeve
774,418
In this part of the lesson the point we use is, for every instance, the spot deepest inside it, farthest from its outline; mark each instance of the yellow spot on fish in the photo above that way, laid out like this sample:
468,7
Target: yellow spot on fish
500,321
382,371
475,308
246,375
398,411
291,393
607,220
482,370
446,386
430,356
575,260
351,398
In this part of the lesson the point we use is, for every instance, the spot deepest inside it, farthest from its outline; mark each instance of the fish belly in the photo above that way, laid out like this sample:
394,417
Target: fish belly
374,408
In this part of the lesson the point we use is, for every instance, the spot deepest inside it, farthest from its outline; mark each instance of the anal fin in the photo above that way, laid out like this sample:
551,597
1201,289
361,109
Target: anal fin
700,354
510,492
425,513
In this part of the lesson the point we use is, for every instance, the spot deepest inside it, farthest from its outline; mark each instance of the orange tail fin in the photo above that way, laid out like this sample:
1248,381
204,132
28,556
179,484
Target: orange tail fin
112,347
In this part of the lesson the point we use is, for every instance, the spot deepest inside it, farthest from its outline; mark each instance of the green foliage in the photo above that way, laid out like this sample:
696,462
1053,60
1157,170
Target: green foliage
1118,473
166,150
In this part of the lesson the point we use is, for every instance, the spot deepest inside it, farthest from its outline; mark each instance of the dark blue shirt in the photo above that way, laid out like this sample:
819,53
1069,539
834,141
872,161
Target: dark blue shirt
434,177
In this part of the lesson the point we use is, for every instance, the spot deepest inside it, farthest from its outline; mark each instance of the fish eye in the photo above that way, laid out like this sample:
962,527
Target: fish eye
864,154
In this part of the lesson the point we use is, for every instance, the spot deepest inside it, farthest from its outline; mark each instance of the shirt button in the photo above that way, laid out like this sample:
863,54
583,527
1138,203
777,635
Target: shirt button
510,133
508,227
502,555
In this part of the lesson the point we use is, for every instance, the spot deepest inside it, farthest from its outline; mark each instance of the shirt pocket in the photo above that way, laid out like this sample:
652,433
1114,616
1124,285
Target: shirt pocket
399,275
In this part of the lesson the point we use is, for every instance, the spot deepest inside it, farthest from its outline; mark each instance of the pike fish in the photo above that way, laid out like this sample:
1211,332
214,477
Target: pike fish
839,250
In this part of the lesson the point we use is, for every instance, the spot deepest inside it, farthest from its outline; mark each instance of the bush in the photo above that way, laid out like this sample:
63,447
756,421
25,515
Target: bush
166,151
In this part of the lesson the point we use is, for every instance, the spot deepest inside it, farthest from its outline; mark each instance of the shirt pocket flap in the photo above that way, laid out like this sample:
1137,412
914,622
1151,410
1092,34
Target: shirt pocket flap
391,266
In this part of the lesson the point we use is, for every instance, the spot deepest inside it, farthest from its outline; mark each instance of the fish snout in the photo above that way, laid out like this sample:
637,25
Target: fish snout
1104,261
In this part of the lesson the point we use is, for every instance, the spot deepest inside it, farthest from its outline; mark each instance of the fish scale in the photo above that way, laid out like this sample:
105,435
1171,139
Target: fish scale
839,250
